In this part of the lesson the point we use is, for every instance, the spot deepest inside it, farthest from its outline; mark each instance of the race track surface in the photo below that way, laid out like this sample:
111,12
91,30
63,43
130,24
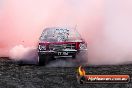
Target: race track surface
33,76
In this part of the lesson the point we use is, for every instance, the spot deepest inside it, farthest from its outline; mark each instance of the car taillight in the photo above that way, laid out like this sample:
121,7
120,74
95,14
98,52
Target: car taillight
42,47
83,46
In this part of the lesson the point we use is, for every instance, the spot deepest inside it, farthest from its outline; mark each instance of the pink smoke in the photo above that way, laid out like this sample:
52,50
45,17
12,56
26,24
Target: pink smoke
22,21
104,24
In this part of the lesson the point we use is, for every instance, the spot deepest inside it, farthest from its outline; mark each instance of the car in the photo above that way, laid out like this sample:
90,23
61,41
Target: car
58,42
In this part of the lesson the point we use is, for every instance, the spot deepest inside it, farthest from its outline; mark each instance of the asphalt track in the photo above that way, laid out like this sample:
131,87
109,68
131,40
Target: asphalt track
13,75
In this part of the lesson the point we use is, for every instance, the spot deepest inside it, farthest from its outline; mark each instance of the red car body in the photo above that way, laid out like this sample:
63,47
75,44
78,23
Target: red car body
59,42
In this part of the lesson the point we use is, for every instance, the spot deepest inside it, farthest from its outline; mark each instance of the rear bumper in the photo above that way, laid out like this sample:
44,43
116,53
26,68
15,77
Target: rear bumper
56,54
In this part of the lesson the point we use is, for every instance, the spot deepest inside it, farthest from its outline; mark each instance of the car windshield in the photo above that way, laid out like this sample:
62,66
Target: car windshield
59,35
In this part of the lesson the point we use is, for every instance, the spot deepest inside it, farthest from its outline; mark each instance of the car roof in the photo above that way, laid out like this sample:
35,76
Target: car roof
73,34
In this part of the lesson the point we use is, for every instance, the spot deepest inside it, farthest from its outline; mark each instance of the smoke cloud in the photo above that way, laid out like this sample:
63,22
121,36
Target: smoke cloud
115,44
24,54
104,24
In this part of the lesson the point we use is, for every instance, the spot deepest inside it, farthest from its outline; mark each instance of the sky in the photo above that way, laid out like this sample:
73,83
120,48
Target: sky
104,24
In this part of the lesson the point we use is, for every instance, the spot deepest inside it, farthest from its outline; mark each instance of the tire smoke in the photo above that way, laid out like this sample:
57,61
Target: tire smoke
105,24
27,55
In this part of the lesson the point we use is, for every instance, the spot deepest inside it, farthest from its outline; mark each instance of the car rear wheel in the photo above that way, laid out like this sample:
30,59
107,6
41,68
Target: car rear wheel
74,56
43,59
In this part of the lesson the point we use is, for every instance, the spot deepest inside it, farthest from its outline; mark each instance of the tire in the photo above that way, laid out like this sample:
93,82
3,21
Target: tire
43,60
74,56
